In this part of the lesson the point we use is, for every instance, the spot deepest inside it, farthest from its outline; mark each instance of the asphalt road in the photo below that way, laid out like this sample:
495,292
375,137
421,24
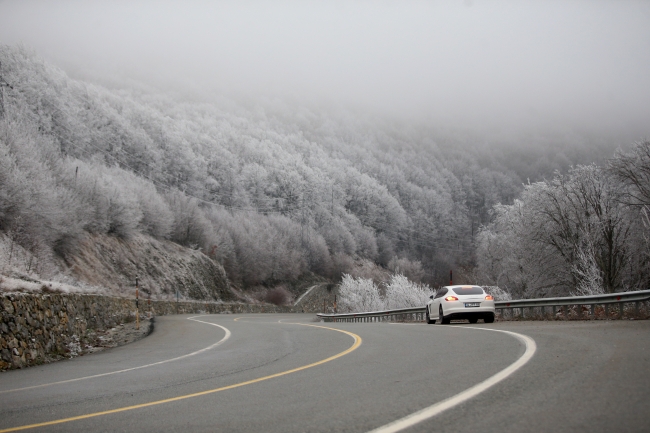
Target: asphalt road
287,373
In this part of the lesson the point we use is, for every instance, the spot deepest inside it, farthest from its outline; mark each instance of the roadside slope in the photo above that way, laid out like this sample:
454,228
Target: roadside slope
161,266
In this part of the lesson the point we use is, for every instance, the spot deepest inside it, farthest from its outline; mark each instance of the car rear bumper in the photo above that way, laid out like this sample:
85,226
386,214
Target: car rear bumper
458,310
470,315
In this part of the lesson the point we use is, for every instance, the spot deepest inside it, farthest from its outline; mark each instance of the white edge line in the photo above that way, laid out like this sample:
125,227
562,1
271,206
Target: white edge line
226,337
431,411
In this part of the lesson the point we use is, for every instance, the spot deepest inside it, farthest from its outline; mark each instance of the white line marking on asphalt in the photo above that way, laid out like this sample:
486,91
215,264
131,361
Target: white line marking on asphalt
212,346
431,411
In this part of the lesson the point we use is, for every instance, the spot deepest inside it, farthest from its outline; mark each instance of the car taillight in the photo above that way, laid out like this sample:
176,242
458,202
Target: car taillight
451,298
489,298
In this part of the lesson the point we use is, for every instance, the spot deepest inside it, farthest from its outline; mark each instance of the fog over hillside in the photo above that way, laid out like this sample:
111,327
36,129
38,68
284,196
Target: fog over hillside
576,67
292,138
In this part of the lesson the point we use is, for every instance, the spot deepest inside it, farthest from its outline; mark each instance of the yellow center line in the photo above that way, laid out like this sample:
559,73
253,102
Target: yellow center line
357,343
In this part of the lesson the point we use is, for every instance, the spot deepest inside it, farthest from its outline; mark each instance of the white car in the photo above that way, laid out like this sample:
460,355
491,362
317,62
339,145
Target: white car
460,302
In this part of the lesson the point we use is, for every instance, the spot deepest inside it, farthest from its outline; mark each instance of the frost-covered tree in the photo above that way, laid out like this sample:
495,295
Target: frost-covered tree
567,234
400,292
359,294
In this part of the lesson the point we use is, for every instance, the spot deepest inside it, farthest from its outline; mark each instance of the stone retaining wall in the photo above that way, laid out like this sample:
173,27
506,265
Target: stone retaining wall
37,328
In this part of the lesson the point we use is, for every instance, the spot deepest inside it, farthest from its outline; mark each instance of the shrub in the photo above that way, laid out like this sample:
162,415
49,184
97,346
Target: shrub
402,293
359,294
277,296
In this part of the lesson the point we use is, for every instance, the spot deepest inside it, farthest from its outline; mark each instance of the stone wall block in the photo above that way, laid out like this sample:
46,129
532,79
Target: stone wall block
39,326
8,306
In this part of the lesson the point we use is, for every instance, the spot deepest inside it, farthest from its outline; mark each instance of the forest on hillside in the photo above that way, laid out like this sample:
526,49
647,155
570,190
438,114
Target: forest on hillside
274,191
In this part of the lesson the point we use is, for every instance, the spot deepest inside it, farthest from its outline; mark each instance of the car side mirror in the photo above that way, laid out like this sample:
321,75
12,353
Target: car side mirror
431,297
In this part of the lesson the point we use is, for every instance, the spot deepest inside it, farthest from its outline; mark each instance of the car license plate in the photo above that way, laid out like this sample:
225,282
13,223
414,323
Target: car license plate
472,304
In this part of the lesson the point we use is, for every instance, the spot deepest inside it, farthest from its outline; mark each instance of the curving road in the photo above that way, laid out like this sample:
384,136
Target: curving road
287,373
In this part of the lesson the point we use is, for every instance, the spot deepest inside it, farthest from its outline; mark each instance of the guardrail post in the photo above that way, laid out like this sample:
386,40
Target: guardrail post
620,310
593,311
606,311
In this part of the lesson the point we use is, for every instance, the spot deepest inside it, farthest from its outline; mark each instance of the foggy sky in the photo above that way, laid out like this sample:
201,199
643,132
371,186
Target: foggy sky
532,64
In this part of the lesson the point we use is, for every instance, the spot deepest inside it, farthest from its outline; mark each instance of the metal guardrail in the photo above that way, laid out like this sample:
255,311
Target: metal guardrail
565,302
417,313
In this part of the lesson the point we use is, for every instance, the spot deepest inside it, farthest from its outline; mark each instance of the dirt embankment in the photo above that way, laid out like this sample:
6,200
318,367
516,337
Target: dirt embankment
162,267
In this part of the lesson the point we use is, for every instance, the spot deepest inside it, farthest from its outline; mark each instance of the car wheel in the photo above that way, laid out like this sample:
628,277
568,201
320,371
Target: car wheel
441,317
473,320
429,321
489,318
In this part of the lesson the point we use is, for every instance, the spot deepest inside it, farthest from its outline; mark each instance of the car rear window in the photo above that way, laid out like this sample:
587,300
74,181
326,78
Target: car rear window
468,290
